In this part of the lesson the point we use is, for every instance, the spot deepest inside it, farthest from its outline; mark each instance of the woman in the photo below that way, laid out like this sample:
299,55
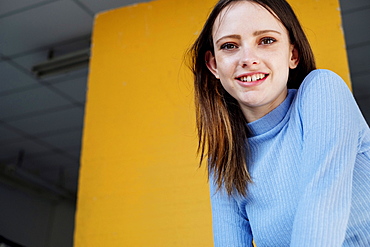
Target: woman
288,149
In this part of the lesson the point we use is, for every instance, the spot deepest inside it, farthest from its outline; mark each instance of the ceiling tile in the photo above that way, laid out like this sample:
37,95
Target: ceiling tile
43,26
76,88
98,5
12,78
7,135
66,139
29,101
29,60
51,122
11,6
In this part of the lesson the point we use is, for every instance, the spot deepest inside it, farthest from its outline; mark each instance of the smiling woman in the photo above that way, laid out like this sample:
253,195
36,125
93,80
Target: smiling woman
288,149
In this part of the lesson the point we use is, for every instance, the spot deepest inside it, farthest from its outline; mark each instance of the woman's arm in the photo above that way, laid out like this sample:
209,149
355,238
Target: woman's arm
230,226
330,122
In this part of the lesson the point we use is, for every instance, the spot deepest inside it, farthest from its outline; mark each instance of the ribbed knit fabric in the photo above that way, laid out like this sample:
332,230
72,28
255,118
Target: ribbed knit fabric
310,165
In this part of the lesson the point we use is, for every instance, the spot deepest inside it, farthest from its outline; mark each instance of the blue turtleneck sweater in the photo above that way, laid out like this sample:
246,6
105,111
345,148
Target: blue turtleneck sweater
310,165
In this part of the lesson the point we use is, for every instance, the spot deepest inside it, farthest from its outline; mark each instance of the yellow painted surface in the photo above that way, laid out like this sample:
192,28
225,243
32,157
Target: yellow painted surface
139,181
321,21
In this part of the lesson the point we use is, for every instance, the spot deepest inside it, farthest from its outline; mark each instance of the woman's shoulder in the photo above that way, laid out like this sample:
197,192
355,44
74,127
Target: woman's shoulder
324,95
320,79
323,84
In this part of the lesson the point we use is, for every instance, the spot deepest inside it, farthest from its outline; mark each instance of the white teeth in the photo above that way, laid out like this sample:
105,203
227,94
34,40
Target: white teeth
254,77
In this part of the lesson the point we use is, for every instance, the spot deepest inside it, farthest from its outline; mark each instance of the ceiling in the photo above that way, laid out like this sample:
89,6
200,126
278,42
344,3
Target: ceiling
41,120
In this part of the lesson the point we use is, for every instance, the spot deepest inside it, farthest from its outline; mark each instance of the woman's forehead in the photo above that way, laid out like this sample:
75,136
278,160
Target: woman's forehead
249,15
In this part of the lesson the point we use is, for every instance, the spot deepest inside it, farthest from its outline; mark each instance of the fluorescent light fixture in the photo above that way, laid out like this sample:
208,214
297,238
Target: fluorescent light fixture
63,64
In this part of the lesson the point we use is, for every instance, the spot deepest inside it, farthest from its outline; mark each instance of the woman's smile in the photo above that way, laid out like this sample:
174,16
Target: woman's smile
251,79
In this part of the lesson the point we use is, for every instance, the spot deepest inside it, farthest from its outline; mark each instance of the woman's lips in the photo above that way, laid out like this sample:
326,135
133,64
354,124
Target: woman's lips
251,79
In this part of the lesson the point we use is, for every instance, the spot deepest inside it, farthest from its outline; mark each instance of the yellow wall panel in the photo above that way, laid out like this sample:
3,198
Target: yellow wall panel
139,180
321,20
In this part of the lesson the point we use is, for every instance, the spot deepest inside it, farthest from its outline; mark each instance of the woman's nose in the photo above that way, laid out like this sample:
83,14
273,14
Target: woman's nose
249,57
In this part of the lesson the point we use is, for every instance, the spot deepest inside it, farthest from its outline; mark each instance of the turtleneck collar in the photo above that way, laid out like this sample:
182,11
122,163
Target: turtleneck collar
273,118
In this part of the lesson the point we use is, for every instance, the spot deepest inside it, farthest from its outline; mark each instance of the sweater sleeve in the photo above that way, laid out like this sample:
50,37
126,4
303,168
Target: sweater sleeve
330,123
230,226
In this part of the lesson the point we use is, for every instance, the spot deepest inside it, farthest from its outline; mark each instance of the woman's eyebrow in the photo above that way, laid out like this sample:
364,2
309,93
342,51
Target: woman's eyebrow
260,32
233,36
256,33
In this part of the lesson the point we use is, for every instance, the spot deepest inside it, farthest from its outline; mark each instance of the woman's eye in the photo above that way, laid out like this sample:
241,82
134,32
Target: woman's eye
267,41
228,46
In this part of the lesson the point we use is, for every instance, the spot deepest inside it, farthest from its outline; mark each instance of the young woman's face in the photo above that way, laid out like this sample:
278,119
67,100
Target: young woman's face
252,57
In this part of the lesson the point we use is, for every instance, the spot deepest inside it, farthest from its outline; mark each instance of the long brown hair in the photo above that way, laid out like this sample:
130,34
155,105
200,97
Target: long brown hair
222,129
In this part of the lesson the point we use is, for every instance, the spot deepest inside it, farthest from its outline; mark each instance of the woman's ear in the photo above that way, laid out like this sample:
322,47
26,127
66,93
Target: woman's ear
294,58
211,63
